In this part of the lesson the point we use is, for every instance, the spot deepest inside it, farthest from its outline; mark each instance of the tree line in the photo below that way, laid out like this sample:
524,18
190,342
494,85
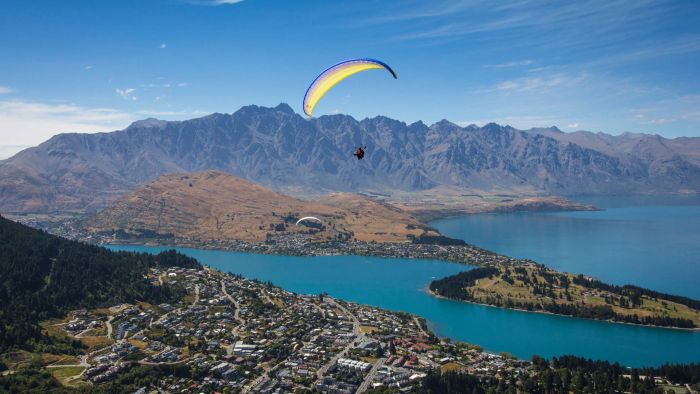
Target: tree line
43,276
566,374
455,287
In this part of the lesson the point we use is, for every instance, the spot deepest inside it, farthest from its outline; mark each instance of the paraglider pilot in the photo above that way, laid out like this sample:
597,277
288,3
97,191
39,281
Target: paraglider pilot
360,152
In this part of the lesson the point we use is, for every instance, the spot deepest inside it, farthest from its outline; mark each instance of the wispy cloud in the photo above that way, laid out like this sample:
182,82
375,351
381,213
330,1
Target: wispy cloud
178,114
682,108
27,123
30,122
572,125
127,93
516,63
650,50
162,85
5,90
163,46
154,85
213,2
88,67
558,81
537,24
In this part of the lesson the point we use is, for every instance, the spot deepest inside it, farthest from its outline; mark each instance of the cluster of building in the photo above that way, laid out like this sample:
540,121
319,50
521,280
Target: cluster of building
250,336
294,243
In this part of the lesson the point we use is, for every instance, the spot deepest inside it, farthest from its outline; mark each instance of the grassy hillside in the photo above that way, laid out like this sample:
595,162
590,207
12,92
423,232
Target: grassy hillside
537,288
214,205
42,276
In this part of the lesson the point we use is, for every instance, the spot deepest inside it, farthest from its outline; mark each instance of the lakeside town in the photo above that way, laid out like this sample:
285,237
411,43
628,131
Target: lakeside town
290,244
663,310
247,336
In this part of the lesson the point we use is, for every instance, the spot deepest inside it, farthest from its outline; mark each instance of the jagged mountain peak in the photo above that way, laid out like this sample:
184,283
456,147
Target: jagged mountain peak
280,149
284,107
149,122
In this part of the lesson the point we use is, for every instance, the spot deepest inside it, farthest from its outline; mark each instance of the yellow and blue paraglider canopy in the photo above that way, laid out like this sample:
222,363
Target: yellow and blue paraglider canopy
336,73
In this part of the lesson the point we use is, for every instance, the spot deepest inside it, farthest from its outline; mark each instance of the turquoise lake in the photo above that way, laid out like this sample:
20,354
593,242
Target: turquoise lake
399,284
652,242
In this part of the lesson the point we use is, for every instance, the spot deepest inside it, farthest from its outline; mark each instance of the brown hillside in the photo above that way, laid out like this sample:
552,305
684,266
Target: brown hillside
214,205
374,220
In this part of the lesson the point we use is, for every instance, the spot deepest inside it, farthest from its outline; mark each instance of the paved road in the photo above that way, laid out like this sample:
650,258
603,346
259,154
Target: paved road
236,313
355,321
109,327
420,327
320,310
196,295
370,376
142,362
356,335
265,376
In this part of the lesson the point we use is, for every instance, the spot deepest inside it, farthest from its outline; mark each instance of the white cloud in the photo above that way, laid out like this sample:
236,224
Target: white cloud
28,123
126,94
539,83
572,125
24,123
213,2
182,84
581,22
155,85
683,108
5,90
163,46
178,114
88,67
660,121
508,85
516,63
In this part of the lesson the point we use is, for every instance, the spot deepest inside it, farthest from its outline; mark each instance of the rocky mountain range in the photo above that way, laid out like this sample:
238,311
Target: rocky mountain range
281,150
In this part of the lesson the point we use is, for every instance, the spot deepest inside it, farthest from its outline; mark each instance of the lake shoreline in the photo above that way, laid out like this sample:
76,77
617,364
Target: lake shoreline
500,261
434,294
397,285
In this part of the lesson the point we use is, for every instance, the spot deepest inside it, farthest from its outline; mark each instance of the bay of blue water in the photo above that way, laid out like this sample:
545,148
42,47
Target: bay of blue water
399,284
652,242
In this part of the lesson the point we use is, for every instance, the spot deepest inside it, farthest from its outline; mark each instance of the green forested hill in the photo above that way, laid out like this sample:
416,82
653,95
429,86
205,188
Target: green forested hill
43,276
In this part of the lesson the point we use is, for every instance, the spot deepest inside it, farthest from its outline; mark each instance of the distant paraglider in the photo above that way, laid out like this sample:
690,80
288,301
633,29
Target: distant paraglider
309,218
334,75
360,153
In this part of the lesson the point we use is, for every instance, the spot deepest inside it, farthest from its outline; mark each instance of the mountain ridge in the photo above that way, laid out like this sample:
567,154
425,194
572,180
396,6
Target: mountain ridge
280,149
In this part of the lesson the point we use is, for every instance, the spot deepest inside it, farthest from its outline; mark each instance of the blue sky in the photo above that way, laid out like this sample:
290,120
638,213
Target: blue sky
610,66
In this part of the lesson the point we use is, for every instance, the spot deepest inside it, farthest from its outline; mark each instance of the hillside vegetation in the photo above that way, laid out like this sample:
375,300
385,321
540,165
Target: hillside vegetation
214,205
534,287
43,276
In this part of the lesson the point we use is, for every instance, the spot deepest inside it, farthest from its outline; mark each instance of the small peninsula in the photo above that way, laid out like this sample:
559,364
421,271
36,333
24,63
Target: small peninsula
534,287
